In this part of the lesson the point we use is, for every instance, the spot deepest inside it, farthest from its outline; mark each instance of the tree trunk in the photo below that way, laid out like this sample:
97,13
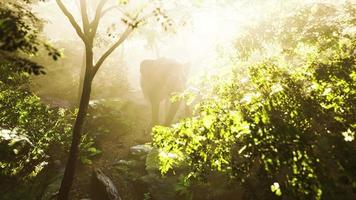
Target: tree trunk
77,129
81,79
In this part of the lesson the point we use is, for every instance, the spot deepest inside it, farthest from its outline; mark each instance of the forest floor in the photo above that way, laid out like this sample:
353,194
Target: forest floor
115,146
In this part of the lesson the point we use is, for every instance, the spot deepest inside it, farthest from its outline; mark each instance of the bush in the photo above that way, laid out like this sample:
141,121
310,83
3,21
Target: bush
285,129
31,132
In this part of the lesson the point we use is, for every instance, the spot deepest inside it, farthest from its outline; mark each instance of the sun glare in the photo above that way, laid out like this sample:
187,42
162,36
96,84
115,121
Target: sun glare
210,28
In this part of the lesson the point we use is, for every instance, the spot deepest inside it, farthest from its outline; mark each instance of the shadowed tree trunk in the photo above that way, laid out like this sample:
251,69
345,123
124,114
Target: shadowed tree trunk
81,80
77,129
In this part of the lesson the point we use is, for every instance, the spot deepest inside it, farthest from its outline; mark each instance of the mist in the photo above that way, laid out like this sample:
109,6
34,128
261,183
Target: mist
200,32
172,100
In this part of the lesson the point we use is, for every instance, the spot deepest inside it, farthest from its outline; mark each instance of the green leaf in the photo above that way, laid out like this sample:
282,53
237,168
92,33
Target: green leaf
208,121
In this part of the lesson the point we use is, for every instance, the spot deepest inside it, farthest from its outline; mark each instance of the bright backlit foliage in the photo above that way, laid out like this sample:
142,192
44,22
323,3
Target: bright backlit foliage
286,123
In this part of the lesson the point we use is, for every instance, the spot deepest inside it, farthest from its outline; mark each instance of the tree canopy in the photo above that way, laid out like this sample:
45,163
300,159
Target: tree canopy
284,125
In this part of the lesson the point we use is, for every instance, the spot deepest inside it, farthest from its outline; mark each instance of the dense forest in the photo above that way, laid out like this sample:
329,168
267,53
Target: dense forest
175,100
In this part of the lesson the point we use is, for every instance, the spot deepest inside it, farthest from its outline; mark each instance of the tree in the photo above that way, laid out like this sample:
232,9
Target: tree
269,127
28,129
19,39
87,34
19,34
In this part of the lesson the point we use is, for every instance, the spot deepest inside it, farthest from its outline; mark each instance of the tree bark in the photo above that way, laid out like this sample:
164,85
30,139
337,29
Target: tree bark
77,129
81,79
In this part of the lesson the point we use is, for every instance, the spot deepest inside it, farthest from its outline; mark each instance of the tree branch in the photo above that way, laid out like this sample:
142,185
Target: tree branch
71,19
85,19
112,8
107,10
127,32
98,14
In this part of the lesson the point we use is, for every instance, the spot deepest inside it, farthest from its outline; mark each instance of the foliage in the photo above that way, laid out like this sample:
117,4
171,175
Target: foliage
107,116
316,26
19,33
104,117
282,128
87,150
31,132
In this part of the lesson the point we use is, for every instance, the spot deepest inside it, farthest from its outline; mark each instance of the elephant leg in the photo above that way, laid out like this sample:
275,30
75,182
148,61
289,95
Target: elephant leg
171,113
155,112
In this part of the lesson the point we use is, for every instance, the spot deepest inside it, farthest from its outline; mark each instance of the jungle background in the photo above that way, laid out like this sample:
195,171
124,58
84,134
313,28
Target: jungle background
271,92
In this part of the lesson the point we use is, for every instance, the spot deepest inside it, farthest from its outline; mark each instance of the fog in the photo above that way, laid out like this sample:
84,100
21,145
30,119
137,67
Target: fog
202,35
166,99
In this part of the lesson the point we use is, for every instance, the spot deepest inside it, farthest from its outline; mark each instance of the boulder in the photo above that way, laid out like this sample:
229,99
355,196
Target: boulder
140,150
53,179
103,188
161,188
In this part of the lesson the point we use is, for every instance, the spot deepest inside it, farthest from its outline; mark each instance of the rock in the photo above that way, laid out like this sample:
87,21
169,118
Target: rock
123,162
103,188
53,187
140,150
161,188
58,164
127,164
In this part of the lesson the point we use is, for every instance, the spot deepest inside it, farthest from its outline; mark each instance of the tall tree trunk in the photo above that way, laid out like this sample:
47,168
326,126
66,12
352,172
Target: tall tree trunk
77,129
87,35
81,79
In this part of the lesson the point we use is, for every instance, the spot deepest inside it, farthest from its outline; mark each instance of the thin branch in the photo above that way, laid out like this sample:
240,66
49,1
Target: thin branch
85,19
98,14
127,32
111,8
71,19
143,19
107,10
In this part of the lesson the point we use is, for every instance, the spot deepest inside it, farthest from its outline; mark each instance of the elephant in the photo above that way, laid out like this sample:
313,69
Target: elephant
160,78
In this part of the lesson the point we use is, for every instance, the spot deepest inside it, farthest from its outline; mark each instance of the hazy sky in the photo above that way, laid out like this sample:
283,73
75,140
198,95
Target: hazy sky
211,26
195,43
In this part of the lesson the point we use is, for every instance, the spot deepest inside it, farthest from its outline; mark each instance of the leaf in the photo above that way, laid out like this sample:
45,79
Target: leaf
242,149
208,121
349,136
86,161
275,188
